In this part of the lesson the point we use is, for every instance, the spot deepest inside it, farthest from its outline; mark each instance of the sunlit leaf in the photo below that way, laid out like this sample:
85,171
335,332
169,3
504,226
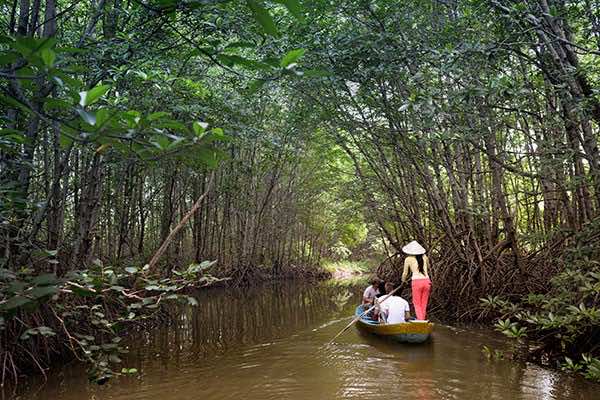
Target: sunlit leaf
292,57
92,95
199,128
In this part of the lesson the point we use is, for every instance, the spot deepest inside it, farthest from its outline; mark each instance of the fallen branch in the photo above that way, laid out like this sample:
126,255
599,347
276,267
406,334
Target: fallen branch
163,247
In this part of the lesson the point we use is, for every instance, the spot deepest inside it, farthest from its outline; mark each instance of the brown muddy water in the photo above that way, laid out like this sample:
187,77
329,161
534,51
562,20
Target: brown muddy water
270,343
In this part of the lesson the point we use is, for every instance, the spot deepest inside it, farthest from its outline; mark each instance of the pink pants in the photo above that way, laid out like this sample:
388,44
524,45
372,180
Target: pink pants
420,296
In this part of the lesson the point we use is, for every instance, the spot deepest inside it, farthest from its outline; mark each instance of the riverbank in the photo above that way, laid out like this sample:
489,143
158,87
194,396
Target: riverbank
114,304
349,269
86,315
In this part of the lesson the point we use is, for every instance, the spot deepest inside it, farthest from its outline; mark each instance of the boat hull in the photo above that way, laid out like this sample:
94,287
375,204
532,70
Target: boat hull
406,332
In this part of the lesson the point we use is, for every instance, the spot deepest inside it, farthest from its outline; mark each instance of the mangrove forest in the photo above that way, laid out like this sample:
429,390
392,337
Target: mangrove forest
194,194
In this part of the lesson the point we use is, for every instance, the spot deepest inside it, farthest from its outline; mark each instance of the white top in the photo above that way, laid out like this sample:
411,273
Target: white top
394,308
370,293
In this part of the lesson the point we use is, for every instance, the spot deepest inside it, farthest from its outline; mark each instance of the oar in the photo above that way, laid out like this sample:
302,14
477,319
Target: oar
366,312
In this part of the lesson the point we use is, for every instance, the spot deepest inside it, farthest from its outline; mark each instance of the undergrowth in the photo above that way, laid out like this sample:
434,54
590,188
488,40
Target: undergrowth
560,327
85,314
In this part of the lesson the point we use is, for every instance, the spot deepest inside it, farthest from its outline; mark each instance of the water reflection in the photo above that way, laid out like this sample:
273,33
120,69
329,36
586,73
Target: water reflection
269,343
244,317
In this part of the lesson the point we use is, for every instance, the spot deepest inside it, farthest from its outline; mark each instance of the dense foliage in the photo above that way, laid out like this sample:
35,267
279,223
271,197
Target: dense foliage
113,116
473,127
268,136
557,325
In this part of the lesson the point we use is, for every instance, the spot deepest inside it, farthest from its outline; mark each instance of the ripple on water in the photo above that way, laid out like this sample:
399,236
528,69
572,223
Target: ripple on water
273,344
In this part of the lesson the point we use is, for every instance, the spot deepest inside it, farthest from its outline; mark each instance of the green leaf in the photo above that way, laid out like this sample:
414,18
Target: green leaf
25,45
167,4
292,57
294,7
199,128
15,302
12,102
45,280
102,116
88,117
17,286
46,43
262,16
173,125
157,115
13,135
160,142
65,141
218,134
272,61
48,56
92,95
207,264
43,291
209,157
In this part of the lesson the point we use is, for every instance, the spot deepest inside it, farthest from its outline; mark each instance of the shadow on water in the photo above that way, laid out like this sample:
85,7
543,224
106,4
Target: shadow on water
390,346
269,342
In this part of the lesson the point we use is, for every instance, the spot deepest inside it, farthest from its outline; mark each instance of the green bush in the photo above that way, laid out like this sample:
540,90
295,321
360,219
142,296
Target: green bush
564,322
86,312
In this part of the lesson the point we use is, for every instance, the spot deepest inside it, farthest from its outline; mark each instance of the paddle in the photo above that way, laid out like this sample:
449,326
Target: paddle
361,315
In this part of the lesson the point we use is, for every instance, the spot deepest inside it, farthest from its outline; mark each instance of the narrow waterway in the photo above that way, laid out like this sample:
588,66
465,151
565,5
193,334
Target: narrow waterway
270,343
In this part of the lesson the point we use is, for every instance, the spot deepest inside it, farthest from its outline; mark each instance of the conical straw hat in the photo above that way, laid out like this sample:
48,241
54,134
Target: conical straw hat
413,249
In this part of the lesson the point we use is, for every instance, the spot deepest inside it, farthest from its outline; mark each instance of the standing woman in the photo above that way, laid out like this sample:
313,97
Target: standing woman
417,262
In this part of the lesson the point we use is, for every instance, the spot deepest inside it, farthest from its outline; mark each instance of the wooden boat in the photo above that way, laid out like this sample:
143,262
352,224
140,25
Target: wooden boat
406,332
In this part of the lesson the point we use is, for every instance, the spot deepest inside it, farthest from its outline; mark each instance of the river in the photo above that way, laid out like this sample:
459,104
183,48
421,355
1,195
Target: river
270,342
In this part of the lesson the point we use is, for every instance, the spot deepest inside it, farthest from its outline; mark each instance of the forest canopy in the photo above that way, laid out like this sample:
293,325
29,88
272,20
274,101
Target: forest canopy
254,140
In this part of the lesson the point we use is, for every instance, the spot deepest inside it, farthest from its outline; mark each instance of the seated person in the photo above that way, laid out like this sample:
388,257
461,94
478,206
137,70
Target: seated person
371,292
393,309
